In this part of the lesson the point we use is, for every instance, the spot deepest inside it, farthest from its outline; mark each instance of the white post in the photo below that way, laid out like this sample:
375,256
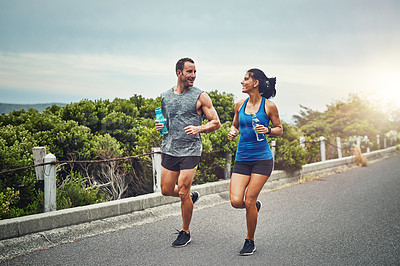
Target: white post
359,141
156,160
367,140
228,165
38,157
322,147
273,147
303,142
391,139
384,141
339,147
378,141
50,203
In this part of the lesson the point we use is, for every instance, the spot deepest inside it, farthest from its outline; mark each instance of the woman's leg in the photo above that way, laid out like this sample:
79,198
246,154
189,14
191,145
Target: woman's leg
237,189
255,185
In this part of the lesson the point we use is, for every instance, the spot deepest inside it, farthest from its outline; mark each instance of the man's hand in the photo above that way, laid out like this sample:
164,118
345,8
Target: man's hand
192,130
159,125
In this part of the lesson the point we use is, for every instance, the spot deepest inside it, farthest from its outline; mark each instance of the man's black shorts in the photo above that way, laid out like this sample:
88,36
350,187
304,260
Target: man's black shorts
173,163
263,167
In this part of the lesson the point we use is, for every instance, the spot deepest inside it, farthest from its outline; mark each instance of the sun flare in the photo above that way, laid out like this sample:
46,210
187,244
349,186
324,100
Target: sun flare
387,85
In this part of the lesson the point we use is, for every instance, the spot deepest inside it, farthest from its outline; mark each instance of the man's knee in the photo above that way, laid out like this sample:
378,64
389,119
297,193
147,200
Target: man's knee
167,190
184,192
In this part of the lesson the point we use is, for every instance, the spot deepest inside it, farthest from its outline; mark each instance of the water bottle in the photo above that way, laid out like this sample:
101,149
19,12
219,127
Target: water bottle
255,122
160,117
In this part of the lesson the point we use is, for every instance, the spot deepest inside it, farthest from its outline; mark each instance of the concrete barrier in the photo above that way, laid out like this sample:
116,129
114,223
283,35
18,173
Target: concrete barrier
16,227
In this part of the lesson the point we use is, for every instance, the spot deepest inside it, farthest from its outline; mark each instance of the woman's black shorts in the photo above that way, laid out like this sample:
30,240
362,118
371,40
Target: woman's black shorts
174,163
263,167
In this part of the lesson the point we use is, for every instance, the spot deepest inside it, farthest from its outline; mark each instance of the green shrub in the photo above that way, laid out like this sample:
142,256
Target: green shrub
7,200
75,192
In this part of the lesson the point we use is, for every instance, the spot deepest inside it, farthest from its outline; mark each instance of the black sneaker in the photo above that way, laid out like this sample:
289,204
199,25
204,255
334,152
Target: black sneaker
195,196
258,205
248,248
182,240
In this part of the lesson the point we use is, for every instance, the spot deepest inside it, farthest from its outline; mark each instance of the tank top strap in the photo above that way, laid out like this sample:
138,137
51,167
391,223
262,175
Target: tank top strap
262,107
243,107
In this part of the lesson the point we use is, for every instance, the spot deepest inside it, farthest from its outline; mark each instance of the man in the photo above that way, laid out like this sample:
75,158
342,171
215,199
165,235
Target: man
183,107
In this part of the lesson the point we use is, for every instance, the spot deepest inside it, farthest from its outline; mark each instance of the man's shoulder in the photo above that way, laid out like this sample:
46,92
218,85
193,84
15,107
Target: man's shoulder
196,90
166,92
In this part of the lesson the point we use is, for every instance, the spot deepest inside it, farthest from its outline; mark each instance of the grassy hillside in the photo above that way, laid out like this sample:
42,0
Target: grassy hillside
6,108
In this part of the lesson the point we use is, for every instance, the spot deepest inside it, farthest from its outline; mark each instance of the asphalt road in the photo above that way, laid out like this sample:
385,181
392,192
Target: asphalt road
351,218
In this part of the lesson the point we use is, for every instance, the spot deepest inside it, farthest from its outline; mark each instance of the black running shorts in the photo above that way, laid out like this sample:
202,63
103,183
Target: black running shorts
262,167
173,163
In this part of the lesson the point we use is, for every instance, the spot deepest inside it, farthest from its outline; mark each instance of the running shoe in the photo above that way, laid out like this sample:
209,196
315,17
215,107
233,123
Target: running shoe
195,196
248,248
258,205
182,240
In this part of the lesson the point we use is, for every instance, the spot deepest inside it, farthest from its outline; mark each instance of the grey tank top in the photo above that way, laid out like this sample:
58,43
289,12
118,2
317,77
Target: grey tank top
180,112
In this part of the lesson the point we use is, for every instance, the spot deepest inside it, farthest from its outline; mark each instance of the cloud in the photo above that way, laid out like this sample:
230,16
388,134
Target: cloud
97,76
318,51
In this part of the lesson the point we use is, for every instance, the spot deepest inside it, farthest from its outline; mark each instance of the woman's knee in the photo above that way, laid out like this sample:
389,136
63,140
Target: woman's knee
250,203
237,202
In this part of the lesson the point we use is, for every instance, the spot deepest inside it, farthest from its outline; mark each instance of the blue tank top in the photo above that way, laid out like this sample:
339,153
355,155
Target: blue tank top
249,149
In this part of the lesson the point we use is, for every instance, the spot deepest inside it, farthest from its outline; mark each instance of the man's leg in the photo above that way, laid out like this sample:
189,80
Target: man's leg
168,182
184,184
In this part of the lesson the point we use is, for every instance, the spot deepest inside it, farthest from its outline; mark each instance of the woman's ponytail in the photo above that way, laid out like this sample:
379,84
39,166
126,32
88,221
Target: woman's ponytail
266,85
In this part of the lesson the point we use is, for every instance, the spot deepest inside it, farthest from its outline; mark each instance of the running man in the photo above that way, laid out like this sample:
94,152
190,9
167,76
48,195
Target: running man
183,107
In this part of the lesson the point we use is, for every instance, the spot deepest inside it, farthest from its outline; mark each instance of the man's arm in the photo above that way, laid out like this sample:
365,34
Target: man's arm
204,104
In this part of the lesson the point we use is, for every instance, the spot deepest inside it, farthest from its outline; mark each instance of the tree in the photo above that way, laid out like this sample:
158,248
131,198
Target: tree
224,104
347,119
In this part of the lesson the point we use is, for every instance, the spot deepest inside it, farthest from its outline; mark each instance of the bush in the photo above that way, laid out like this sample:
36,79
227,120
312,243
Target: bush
75,192
289,155
72,192
7,200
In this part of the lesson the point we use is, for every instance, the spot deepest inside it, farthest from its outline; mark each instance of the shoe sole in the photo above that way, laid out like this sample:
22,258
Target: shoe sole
198,196
181,246
258,209
248,254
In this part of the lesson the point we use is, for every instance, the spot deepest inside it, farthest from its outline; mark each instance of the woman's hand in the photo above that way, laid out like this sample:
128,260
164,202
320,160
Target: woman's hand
232,133
260,129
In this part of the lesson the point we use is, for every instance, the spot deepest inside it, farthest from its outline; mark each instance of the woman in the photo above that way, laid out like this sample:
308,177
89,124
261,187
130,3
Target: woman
254,160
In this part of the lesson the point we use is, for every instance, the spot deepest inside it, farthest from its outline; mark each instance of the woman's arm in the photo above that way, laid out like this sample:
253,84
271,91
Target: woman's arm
235,124
273,114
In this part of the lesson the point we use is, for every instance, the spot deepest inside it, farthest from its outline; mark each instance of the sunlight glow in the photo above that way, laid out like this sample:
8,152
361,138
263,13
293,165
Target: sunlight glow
388,85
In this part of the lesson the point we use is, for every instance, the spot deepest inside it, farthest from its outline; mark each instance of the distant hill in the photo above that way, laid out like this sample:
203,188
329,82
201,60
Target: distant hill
6,108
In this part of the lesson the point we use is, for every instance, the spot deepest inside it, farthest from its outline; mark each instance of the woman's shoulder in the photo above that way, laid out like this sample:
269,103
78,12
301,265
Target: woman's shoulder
239,104
270,103
270,106
241,101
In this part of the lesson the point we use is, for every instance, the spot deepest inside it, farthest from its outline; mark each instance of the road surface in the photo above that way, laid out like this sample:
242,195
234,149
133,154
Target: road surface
351,218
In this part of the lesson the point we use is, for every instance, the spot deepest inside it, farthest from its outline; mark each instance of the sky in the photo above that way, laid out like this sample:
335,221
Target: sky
320,51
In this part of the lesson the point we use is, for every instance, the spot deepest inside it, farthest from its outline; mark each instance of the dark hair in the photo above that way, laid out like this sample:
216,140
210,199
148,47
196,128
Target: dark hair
266,85
181,63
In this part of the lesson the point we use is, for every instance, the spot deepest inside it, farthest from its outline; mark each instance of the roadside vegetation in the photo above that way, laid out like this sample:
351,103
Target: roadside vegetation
102,129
